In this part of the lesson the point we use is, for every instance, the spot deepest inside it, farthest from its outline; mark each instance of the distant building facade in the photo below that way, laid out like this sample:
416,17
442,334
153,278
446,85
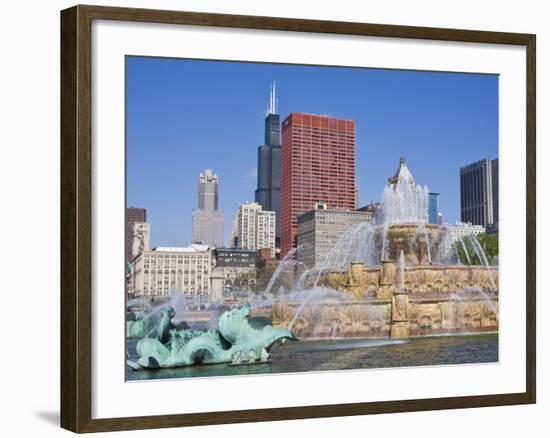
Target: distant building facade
207,218
263,257
165,270
254,228
462,229
376,209
234,271
235,257
268,191
319,230
141,238
133,215
433,207
476,193
317,166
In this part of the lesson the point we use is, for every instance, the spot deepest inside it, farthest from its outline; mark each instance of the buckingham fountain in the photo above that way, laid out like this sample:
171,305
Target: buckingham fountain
395,278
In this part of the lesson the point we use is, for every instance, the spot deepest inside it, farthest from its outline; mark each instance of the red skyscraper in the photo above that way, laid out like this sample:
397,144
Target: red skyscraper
317,166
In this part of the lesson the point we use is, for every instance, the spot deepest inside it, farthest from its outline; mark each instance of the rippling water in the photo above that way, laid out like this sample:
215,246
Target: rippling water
342,354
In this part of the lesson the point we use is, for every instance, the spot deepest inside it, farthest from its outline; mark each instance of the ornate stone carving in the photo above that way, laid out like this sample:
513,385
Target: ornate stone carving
401,302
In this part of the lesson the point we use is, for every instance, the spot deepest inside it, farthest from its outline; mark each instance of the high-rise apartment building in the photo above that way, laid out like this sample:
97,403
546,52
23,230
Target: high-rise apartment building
207,219
133,215
494,176
433,207
268,192
317,167
254,228
476,193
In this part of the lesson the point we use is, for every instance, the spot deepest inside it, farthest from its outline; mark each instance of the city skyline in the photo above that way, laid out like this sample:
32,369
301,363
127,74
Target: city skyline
172,105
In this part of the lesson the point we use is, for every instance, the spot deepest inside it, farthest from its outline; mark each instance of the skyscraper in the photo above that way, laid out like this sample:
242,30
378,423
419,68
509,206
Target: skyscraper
433,207
494,176
476,193
133,215
269,164
317,167
207,219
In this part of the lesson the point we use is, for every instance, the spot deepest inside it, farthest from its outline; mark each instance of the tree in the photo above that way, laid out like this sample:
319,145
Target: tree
489,243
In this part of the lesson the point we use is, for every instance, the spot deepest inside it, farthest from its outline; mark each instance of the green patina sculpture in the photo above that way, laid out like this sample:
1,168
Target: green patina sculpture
138,328
239,339
156,324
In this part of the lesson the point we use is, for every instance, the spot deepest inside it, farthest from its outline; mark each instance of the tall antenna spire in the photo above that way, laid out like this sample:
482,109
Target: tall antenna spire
271,99
272,109
274,99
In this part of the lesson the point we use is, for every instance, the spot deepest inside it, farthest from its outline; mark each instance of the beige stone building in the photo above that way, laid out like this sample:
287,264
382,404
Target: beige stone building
253,228
164,271
319,230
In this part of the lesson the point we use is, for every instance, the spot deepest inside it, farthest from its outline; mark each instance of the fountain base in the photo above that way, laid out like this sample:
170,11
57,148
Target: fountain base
434,299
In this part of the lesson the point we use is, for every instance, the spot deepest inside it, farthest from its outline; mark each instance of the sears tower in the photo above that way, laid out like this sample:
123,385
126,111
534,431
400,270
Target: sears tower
269,165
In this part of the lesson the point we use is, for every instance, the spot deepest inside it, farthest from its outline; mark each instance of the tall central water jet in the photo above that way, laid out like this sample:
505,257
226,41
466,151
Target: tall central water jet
404,201
404,220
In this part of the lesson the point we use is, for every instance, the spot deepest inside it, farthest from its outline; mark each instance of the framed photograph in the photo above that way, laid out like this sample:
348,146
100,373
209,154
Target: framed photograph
269,218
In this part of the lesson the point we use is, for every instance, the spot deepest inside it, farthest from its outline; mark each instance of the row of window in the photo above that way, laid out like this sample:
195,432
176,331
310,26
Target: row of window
173,263
316,132
167,291
174,256
186,271
166,282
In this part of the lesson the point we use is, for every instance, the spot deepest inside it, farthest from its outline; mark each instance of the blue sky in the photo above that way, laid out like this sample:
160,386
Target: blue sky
187,115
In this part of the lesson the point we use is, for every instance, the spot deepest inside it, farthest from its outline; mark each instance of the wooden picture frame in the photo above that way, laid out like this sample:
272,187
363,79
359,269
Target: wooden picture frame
76,217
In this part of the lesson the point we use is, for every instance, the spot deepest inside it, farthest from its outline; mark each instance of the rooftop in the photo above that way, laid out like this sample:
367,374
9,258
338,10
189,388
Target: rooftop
195,247
322,116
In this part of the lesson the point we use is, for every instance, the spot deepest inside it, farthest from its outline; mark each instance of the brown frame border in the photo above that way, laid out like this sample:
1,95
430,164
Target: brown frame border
76,238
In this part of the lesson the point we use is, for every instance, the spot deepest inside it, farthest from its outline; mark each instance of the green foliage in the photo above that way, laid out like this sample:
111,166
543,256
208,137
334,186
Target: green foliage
466,253
489,243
